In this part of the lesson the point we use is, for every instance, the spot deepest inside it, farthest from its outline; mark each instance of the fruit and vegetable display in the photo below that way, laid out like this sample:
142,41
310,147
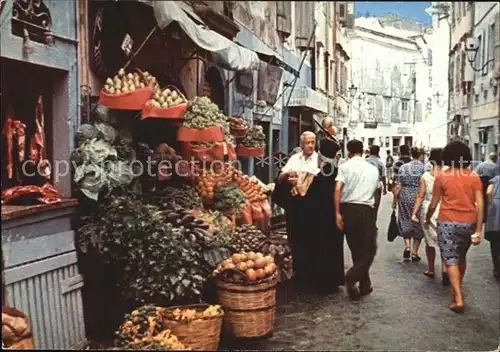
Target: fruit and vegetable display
238,126
187,315
220,226
165,98
141,324
185,197
228,198
190,227
255,138
206,182
202,113
250,266
248,238
129,82
161,264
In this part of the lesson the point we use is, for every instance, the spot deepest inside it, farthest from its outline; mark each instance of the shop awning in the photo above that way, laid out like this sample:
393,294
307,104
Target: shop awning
265,53
307,97
226,53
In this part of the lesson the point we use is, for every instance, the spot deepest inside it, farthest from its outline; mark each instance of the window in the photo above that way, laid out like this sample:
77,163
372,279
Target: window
462,67
483,53
459,11
457,72
337,75
464,8
453,10
327,73
491,46
404,105
341,10
371,141
387,142
452,75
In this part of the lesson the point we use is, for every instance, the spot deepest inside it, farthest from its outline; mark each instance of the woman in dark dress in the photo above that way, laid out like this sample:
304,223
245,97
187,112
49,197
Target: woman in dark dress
317,245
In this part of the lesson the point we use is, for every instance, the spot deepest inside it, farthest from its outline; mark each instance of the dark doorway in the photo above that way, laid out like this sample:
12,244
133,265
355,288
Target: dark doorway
213,88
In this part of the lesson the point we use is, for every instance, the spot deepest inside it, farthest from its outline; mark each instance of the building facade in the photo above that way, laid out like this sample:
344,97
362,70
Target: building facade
484,132
390,70
435,131
461,75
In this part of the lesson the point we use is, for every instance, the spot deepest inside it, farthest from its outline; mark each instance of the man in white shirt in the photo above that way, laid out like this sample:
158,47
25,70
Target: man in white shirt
355,215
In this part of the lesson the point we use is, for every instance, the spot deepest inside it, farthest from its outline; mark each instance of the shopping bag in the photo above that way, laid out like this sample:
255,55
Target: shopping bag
393,231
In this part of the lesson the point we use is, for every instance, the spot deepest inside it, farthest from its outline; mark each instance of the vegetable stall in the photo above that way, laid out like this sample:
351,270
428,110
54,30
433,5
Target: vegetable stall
186,243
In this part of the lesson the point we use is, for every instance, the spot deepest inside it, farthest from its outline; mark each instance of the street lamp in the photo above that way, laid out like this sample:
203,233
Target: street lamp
437,97
471,49
353,90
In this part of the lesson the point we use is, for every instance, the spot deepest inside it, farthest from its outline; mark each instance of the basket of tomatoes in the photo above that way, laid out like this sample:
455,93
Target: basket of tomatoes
246,289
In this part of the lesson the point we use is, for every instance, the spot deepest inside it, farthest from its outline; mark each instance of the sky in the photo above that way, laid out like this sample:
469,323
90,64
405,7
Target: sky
410,9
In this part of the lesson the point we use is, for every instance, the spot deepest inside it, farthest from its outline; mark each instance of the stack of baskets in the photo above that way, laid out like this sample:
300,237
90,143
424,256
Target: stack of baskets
249,307
200,334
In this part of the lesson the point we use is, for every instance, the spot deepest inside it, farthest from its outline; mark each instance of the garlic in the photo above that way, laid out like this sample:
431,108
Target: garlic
121,72
131,87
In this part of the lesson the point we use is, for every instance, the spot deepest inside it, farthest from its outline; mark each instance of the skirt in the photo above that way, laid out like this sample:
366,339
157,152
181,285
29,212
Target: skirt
430,234
454,240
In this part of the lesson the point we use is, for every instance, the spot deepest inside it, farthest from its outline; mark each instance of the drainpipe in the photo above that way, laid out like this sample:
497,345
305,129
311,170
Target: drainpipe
334,54
313,52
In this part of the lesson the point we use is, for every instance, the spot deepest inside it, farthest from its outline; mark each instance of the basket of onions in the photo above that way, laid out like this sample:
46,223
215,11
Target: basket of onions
168,103
246,289
128,91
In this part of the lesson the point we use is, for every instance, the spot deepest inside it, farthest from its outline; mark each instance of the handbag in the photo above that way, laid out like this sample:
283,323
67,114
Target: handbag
393,230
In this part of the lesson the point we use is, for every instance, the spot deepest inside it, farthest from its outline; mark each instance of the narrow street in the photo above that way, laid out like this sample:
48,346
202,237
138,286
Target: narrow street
406,311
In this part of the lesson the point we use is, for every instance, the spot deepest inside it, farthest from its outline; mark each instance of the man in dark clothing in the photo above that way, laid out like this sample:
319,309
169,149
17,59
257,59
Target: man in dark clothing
389,169
404,157
374,159
317,245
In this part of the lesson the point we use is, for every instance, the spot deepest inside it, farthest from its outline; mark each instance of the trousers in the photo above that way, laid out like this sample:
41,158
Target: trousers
361,236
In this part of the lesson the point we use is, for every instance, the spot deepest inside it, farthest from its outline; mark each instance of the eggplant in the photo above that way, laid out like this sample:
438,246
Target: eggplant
173,216
187,219
201,232
202,227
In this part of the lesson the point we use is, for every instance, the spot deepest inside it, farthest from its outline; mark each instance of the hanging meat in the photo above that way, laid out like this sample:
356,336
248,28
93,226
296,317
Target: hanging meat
38,152
15,135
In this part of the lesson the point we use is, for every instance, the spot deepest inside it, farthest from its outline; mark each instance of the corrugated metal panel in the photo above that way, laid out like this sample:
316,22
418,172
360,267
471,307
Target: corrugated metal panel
53,302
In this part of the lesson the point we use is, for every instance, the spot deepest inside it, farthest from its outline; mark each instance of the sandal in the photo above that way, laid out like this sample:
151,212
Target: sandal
429,274
406,254
415,258
456,308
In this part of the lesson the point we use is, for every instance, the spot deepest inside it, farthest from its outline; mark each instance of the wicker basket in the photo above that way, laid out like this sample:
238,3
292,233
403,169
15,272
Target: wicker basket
250,307
199,334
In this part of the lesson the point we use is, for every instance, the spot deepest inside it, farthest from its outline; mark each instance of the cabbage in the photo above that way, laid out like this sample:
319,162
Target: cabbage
120,173
107,132
91,179
85,132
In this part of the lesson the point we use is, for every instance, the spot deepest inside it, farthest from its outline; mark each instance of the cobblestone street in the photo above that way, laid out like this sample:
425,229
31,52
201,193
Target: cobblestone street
406,311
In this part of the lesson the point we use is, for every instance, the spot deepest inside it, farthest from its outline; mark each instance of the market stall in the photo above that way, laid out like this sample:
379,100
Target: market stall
198,207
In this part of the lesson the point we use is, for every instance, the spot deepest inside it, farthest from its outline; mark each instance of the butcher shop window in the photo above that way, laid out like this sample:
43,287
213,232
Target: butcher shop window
26,100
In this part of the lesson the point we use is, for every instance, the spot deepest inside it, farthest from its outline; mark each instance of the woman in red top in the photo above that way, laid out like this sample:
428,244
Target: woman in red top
460,215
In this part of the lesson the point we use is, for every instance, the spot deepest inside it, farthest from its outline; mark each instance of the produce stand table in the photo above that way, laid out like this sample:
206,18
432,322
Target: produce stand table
41,273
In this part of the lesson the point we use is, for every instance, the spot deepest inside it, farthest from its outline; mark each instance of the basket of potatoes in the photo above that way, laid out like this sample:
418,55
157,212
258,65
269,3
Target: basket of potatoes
128,91
168,103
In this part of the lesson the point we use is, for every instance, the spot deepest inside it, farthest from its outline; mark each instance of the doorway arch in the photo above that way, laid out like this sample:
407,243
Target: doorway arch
213,87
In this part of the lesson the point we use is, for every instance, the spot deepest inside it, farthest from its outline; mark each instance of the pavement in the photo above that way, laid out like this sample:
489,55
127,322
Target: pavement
406,311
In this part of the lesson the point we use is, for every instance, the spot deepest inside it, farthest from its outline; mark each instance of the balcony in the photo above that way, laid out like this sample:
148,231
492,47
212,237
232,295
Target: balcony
343,43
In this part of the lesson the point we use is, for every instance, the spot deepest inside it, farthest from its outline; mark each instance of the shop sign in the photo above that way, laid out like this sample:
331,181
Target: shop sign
305,96
404,130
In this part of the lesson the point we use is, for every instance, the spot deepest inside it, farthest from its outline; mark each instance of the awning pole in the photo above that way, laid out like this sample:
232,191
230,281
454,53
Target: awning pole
301,63
140,47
